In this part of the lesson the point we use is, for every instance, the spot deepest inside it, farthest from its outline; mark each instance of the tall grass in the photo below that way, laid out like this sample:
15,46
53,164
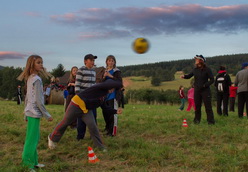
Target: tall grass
150,138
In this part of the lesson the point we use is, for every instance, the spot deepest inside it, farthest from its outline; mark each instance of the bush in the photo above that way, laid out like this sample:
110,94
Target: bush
156,81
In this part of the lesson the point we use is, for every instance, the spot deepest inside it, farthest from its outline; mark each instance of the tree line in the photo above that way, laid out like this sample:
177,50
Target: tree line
160,71
164,71
9,83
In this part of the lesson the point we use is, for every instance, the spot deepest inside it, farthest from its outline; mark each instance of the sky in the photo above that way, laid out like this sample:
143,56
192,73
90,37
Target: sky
64,31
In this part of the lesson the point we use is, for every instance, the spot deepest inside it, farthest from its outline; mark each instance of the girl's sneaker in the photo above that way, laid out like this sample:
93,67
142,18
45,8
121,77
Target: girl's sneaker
51,144
39,166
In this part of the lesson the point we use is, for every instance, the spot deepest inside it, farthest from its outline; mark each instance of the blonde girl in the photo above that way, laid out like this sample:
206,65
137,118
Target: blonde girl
34,109
71,85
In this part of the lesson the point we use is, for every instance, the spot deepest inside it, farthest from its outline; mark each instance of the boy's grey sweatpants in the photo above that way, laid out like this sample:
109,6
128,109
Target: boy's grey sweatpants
71,114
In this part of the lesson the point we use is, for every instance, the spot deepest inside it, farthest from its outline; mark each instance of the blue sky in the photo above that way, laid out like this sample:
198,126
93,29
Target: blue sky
63,31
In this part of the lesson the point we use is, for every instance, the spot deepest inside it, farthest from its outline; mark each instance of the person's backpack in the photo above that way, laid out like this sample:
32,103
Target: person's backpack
221,84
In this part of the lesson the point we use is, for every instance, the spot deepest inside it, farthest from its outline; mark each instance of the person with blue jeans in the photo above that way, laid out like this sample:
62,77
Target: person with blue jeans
182,97
85,78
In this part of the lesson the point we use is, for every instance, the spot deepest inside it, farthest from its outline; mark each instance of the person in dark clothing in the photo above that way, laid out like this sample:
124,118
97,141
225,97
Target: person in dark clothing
222,84
241,81
19,95
203,79
81,105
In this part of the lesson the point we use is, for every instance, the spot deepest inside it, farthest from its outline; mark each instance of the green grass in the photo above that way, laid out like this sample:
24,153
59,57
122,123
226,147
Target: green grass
150,138
139,82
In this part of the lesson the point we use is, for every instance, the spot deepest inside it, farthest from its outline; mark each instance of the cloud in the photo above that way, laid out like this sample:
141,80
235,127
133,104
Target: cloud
157,20
11,55
33,14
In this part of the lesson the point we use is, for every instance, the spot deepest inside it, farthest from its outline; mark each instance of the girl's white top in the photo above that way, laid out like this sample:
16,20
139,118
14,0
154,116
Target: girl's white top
34,101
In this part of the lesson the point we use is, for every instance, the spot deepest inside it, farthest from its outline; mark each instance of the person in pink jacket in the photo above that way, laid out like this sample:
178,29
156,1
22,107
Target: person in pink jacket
191,101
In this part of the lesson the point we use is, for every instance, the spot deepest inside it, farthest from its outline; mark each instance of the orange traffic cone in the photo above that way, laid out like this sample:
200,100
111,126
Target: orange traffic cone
92,156
185,123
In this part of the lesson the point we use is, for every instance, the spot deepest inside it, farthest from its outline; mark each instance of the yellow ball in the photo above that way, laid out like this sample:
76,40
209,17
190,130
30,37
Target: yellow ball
140,45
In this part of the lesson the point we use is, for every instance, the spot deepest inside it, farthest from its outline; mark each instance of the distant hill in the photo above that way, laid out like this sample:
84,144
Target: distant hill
231,62
1,67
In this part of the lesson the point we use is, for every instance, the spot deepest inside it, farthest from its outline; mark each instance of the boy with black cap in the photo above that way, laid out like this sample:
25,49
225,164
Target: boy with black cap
222,84
85,78
203,79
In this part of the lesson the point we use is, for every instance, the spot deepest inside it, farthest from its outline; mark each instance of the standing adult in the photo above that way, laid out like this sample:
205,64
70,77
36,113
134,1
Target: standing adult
85,78
19,95
222,84
241,81
203,79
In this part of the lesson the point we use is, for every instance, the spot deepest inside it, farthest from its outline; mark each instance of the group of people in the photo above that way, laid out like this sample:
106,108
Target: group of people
225,90
84,97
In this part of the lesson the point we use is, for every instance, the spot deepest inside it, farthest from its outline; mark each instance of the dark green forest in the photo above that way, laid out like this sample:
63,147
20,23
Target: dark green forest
162,71
231,62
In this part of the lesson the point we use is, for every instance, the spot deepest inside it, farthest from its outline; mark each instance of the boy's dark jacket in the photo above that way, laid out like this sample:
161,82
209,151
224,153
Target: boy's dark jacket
227,82
93,96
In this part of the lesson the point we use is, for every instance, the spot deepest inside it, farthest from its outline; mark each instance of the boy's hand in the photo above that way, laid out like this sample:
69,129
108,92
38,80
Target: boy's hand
50,119
119,111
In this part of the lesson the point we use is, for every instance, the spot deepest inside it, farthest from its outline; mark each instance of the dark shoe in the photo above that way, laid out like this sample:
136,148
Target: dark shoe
79,138
211,123
196,122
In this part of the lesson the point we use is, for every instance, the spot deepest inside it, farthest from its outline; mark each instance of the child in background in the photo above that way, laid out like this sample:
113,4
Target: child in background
71,85
232,96
182,97
191,102
34,109
65,92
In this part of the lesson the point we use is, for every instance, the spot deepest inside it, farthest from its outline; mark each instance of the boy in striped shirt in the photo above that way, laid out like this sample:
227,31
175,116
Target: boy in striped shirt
85,78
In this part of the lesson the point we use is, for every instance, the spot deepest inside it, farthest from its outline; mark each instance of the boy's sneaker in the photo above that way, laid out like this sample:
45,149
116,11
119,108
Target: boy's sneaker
51,144
39,166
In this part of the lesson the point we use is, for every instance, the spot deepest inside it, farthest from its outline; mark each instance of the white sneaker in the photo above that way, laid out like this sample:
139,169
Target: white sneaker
39,165
51,144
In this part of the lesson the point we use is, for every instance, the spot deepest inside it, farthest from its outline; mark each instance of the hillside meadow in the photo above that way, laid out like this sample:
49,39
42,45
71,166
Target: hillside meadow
150,138
141,82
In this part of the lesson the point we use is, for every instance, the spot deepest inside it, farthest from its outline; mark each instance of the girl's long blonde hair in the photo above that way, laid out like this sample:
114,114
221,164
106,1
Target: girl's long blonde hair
72,78
29,69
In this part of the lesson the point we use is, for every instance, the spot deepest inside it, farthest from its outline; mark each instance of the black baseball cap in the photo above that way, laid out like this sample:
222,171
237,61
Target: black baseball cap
89,56
200,57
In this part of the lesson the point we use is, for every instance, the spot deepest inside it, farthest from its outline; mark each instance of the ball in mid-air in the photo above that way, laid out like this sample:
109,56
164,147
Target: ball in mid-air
140,45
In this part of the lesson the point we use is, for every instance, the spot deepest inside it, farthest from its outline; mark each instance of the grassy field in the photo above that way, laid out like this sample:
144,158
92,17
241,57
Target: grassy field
138,82
150,138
